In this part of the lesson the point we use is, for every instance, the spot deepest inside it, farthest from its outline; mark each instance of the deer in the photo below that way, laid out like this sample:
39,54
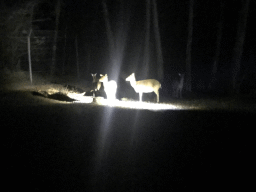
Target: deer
109,87
96,85
178,86
144,86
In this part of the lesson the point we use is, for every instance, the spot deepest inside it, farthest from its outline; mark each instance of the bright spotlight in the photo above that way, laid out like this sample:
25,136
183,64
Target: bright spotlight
123,104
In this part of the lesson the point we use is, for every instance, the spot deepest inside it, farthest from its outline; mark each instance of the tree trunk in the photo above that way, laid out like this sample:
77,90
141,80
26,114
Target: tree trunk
29,57
87,61
188,52
114,68
64,59
238,49
160,69
109,31
53,67
217,51
77,59
147,36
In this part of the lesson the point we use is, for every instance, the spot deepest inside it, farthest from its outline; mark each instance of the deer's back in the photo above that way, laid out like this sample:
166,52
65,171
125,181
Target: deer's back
147,86
149,82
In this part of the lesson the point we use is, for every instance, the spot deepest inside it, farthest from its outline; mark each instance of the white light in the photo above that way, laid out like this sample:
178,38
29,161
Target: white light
122,104
145,105
136,105
80,98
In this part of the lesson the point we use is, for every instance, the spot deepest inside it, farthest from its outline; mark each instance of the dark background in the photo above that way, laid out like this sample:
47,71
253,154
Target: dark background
84,20
50,146
81,147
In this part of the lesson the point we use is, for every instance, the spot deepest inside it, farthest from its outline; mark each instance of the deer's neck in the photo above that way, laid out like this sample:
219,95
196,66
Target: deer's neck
105,82
133,83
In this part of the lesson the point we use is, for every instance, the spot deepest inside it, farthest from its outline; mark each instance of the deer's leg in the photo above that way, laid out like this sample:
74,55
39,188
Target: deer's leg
157,96
140,96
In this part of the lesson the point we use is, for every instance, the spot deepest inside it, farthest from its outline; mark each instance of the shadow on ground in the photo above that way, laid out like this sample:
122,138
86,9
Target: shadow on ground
84,147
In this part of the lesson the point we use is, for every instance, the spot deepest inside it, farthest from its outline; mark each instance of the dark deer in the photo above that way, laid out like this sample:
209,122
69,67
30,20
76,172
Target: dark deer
178,86
96,85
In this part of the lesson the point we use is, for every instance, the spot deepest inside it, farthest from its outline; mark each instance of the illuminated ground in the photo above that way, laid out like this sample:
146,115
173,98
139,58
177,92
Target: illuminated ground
56,144
17,90
34,97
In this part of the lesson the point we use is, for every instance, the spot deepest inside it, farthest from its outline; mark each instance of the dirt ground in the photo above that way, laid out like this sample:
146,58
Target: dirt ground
16,89
52,143
56,93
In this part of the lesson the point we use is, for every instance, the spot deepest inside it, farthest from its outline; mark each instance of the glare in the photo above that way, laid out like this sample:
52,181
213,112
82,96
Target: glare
141,105
80,98
122,104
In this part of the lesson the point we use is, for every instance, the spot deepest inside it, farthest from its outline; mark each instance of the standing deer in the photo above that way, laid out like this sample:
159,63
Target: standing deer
96,85
144,86
178,86
109,87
